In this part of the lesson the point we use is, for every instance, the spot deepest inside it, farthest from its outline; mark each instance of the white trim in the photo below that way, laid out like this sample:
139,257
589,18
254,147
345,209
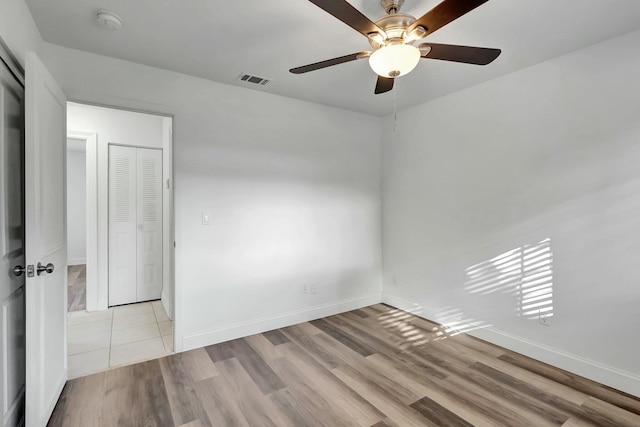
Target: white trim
166,303
76,261
405,305
252,327
604,374
11,62
91,138
169,291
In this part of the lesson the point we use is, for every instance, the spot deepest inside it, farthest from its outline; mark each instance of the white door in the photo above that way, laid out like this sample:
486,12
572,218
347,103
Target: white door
46,242
149,236
12,321
122,225
135,224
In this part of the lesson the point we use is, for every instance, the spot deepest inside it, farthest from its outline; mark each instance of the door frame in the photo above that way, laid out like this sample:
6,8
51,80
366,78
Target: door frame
91,171
16,409
11,62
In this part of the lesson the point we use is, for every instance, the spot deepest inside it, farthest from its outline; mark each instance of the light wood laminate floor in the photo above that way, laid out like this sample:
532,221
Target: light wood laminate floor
376,366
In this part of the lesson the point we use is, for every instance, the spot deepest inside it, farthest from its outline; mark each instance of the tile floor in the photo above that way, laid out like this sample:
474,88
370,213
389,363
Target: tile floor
119,336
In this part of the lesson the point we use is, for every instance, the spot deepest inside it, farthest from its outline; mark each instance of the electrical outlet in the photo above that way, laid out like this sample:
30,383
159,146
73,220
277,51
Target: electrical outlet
543,319
314,288
305,288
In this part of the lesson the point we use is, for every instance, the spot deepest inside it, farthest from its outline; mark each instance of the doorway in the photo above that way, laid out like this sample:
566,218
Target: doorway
77,235
108,331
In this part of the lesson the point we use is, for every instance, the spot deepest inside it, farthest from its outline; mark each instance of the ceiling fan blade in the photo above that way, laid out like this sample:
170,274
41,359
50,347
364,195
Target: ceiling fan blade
445,12
384,84
465,54
348,14
330,62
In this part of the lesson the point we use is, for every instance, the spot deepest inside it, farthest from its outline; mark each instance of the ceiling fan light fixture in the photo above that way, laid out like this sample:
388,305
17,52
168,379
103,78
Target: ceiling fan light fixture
376,38
394,60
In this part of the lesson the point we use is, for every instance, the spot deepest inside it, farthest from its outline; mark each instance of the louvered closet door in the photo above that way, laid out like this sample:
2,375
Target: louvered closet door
149,256
135,224
122,225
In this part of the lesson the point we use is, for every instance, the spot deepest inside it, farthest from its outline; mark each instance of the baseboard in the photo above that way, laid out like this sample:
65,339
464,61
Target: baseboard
604,374
267,324
607,375
166,303
76,261
405,305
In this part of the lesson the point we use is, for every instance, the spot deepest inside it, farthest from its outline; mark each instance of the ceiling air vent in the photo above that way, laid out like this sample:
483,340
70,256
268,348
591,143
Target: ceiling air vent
248,78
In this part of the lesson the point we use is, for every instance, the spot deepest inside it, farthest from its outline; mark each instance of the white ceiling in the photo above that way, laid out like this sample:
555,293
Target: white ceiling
218,40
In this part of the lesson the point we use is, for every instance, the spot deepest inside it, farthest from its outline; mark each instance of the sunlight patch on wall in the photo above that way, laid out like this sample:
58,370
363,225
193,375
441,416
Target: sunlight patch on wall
525,272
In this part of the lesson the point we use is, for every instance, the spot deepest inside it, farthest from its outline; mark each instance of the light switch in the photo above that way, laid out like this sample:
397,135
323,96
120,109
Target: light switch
206,218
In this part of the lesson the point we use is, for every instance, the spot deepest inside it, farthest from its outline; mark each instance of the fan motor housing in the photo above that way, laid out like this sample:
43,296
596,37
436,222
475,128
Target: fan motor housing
394,26
391,6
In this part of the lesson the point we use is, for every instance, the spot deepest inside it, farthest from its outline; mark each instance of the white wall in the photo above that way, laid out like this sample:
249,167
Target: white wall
18,29
548,152
76,204
293,190
111,127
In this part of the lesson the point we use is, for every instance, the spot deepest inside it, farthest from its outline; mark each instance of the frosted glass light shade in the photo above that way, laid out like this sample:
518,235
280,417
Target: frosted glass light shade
394,60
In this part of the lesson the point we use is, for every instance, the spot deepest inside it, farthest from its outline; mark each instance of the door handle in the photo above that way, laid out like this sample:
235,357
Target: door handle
45,268
19,270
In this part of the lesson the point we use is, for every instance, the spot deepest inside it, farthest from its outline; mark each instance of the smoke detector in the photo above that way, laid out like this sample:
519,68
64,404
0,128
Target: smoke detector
109,20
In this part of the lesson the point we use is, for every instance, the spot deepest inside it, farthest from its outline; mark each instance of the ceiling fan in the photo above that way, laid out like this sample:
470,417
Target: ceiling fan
394,38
